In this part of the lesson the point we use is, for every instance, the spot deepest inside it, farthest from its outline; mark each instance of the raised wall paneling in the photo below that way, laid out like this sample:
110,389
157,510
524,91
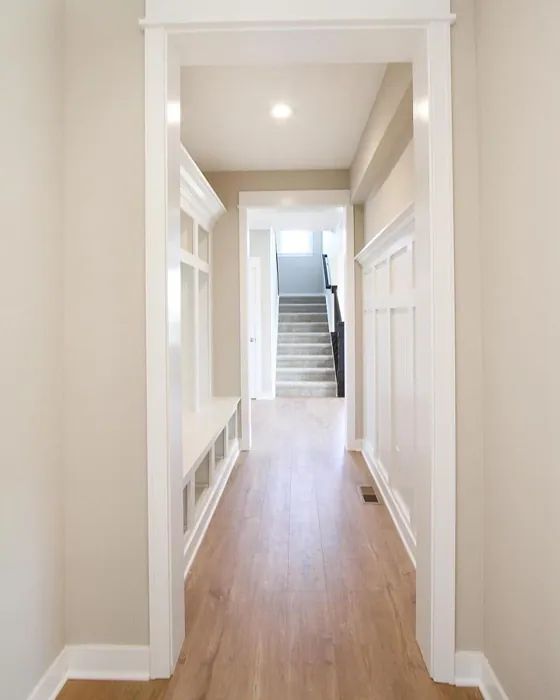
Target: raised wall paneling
389,377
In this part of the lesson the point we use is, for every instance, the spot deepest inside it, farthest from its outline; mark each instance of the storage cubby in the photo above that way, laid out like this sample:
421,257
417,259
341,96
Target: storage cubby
186,507
187,232
201,478
204,368
232,427
210,435
188,338
203,244
220,448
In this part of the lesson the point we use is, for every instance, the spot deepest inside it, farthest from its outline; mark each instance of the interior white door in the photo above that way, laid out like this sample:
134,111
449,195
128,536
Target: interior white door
255,333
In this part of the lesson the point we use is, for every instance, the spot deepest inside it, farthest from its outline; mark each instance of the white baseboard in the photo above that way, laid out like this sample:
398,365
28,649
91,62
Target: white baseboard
50,684
108,662
195,539
393,507
473,670
355,445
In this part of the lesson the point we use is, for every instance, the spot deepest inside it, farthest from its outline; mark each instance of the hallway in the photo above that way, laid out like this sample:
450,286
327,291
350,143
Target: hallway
299,591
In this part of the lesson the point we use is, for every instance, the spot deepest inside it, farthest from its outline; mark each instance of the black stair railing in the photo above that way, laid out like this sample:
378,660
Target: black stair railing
337,336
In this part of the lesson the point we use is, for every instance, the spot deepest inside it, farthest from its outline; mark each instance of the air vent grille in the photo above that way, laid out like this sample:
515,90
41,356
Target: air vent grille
369,494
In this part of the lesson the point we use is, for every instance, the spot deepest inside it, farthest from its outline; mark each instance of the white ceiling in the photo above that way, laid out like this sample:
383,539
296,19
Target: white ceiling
226,122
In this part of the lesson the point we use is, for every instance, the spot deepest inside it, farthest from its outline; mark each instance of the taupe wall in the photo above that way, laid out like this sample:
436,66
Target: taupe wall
518,56
225,252
104,384
396,193
31,507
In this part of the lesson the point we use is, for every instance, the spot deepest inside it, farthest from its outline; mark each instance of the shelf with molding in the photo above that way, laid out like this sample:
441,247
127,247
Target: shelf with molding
210,438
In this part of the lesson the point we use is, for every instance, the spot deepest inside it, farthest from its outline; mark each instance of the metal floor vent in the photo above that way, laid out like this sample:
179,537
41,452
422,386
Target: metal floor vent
369,494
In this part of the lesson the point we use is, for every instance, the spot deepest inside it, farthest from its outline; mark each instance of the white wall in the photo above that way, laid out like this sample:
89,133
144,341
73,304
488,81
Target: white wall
31,492
302,274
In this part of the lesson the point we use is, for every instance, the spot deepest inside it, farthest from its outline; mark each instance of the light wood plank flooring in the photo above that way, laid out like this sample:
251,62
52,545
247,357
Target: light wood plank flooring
299,591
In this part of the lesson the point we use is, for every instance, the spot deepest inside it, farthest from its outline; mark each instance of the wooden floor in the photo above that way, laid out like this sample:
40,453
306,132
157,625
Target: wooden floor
299,591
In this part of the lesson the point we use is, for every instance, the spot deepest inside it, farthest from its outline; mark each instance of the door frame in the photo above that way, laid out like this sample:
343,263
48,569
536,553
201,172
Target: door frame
374,32
297,199
256,262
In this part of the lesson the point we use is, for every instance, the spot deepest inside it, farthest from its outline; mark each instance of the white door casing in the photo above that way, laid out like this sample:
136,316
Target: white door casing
307,31
255,339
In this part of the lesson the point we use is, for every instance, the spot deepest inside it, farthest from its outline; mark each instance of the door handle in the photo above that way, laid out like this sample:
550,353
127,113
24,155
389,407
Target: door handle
252,340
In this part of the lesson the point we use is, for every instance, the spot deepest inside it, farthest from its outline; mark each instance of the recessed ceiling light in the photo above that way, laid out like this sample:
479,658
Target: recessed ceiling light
281,110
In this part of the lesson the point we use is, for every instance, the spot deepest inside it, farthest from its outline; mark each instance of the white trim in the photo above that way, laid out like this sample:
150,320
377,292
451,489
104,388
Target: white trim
399,519
187,26
51,682
349,327
111,662
442,480
194,540
244,254
108,662
382,37
198,198
468,669
163,362
473,670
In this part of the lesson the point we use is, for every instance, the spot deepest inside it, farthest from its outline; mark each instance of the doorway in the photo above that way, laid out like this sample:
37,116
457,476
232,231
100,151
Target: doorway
255,332
173,39
326,209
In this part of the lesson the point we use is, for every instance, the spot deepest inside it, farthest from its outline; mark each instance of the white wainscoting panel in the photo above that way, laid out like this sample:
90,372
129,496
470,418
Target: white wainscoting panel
389,338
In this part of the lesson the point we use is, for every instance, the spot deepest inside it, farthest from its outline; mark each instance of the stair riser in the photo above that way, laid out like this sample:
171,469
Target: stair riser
322,361
289,338
303,374
303,327
303,317
302,309
326,391
305,349
302,300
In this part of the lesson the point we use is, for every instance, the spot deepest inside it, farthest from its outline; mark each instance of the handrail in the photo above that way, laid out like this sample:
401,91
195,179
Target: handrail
337,336
326,271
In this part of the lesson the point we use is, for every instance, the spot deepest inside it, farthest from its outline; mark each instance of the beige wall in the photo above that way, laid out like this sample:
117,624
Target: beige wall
31,509
396,193
386,133
105,403
518,55
225,252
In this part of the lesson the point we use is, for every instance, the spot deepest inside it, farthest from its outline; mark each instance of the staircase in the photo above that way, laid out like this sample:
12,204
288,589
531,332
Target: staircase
304,364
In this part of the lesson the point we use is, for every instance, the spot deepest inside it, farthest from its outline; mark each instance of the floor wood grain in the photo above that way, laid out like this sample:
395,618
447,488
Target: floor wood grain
299,591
